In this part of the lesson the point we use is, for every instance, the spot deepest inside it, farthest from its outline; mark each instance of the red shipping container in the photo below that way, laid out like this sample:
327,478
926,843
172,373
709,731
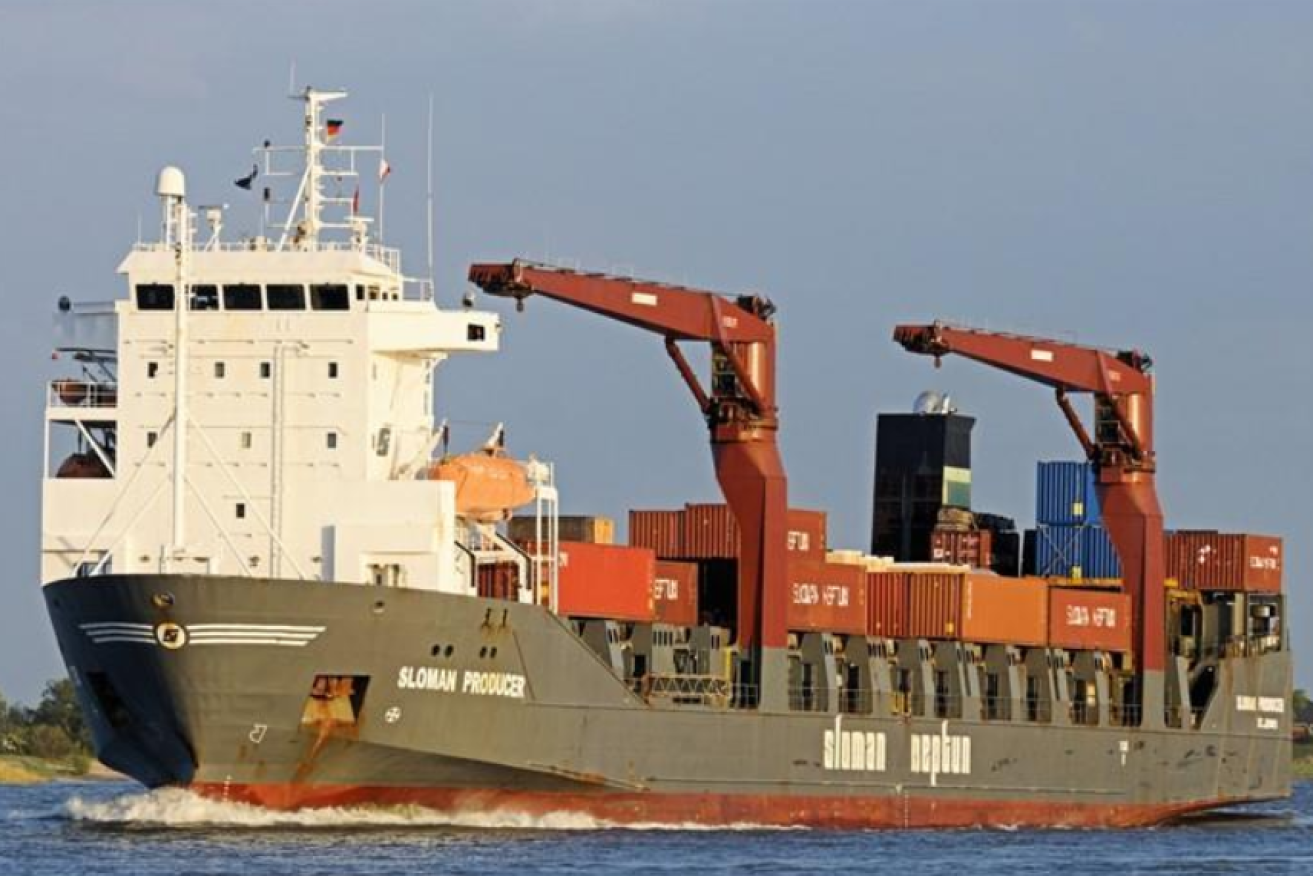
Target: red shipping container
606,581
1088,620
661,531
1221,561
826,597
675,593
934,601
498,581
711,532
972,548
807,535
886,600
1006,611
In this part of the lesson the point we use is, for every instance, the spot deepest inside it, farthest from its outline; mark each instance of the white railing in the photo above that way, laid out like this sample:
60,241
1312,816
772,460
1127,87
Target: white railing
68,393
388,255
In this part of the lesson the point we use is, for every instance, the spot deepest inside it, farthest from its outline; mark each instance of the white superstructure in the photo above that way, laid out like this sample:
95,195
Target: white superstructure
306,401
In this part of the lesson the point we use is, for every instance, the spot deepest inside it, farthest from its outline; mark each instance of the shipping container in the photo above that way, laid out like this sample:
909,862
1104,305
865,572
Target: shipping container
1076,553
711,532
675,593
1099,558
886,601
578,528
606,581
498,581
826,597
1006,611
1058,552
1204,560
962,548
1087,620
934,605
1006,550
660,531
1066,494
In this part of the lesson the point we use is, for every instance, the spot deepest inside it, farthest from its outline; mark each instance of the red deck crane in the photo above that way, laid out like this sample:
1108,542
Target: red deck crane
1120,448
741,414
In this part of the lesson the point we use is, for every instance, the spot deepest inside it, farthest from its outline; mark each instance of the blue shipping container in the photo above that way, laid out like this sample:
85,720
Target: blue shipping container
1066,494
1078,553
1057,551
1099,557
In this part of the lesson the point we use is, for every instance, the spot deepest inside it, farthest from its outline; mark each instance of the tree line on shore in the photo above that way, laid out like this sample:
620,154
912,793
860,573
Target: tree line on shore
53,729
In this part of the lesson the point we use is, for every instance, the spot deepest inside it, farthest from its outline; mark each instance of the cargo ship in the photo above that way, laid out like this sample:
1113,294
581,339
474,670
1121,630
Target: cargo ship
274,580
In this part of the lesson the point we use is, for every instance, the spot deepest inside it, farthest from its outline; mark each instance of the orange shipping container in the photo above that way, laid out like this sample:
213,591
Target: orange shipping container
934,605
675,593
826,597
606,581
886,600
661,531
1087,620
1008,611
1221,561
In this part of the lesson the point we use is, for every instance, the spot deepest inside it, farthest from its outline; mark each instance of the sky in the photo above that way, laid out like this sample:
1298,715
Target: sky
1116,173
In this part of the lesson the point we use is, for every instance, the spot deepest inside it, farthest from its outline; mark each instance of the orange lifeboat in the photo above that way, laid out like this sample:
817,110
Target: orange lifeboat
83,465
488,487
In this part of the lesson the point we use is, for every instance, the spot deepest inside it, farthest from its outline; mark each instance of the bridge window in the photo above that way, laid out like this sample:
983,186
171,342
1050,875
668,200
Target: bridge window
152,370
285,296
151,438
154,296
220,370
266,369
330,296
332,371
475,332
241,296
331,440
246,440
204,297
240,511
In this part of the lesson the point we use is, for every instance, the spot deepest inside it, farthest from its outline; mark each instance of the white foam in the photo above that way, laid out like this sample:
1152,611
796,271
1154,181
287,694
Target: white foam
178,808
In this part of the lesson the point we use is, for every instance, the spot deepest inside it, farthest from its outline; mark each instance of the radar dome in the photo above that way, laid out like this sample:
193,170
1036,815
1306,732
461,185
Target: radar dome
171,183
933,402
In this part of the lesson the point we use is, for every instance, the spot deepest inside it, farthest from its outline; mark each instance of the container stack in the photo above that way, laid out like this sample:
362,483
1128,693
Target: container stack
1070,541
706,538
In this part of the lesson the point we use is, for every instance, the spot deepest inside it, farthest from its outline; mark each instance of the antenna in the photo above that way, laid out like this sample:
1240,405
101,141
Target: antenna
291,78
383,152
432,290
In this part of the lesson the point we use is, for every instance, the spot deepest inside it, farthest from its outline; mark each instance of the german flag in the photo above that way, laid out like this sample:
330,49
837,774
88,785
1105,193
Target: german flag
332,128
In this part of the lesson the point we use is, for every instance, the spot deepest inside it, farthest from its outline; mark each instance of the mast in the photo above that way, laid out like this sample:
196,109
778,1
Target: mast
312,196
172,189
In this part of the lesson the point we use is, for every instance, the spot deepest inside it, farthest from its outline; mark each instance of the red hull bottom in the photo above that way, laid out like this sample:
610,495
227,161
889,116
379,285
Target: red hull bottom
767,810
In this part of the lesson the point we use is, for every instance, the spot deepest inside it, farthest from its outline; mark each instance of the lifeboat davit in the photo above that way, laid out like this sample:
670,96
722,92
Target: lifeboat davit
488,486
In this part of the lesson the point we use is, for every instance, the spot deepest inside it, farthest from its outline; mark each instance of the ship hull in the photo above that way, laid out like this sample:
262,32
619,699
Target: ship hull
465,704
